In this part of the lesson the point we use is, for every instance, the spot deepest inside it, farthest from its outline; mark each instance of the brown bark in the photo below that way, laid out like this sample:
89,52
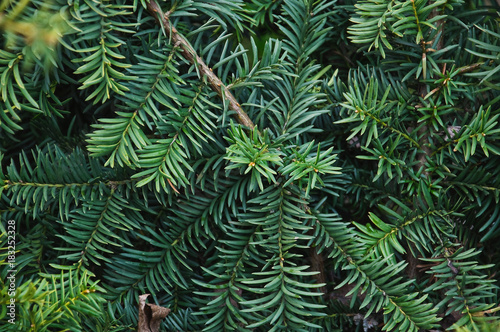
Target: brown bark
413,263
318,265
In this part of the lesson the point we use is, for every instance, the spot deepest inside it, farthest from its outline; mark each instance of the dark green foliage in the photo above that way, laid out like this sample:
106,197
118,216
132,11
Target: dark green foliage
366,197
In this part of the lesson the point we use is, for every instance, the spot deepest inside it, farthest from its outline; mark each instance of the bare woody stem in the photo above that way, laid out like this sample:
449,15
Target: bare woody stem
190,55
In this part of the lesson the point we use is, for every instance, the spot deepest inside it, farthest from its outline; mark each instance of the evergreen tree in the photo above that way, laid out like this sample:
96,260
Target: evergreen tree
256,165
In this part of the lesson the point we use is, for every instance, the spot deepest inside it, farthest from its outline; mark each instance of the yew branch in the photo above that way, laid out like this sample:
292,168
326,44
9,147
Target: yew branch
190,55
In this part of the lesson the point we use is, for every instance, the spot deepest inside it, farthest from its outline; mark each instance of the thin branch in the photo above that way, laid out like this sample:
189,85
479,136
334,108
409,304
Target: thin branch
387,126
468,69
461,70
190,55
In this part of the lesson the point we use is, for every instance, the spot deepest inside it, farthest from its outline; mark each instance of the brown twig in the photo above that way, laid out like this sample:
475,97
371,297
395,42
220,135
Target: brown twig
468,69
461,70
190,55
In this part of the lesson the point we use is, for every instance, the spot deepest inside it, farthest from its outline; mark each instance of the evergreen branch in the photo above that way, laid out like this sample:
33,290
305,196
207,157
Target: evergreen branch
474,186
103,68
448,143
165,159
163,267
417,21
470,68
460,71
190,55
117,138
78,294
280,214
377,279
88,245
111,183
234,253
388,234
264,213
466,283
158,270
385,125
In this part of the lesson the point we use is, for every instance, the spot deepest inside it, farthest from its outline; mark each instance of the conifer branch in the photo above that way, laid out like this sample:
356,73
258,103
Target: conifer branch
461,71
190,55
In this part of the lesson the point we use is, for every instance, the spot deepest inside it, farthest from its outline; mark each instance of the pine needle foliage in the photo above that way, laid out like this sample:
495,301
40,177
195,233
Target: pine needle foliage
299,165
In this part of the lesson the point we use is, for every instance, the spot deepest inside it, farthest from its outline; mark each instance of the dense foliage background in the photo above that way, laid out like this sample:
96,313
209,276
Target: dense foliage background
257,165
